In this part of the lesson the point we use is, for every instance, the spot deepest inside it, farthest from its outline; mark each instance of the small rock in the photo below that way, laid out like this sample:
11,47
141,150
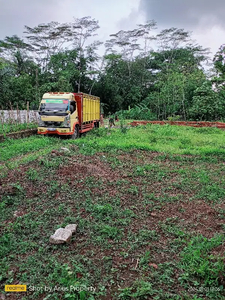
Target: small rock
65,149
61,236
15,214
71,227
55,153
153,214
153,265
18,213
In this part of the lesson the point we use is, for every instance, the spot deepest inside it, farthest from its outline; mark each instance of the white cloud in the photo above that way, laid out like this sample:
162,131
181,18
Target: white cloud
204,17
15,14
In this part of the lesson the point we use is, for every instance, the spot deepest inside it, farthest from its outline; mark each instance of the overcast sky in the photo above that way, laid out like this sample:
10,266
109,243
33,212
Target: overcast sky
205,18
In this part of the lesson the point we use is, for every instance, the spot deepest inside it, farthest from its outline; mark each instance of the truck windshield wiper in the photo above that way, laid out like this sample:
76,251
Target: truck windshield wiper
52,110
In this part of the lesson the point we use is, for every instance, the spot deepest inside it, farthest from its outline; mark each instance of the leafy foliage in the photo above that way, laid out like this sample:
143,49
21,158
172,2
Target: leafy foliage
139,112
156,83
198,263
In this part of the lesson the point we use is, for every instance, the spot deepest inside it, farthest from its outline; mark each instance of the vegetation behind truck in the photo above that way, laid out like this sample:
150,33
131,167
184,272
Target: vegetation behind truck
68,113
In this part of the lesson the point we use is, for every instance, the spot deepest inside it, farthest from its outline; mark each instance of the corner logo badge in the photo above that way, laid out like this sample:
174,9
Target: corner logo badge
15,288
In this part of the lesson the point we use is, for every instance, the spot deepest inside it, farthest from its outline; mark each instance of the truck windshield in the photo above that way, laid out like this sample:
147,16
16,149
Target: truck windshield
55,105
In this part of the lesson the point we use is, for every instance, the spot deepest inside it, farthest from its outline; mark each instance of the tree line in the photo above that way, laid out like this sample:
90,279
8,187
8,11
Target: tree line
148,74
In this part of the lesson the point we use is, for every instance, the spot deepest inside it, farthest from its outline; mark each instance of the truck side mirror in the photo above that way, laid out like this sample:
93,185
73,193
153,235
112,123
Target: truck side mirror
71,108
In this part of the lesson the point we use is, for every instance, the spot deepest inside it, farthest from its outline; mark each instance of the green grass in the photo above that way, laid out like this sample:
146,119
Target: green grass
8,128
197,263
150,222
15,148
167,139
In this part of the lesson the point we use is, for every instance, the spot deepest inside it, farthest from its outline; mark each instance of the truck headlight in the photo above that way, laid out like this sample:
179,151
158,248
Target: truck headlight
40,122
66,122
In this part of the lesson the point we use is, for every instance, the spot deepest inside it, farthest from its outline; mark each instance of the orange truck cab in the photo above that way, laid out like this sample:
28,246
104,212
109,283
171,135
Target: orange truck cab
68,113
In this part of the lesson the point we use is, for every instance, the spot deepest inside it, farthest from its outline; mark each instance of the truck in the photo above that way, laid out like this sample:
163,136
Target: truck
68,114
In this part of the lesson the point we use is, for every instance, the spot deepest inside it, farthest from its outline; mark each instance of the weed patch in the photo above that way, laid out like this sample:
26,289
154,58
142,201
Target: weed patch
150,219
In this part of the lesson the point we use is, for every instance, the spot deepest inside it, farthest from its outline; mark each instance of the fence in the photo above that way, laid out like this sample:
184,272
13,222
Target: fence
12,121
18,116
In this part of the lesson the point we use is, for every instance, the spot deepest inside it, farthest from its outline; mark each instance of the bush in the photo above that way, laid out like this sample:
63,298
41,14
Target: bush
139,112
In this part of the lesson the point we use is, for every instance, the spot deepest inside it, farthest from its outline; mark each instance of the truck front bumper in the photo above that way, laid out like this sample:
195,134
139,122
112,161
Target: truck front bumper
59,131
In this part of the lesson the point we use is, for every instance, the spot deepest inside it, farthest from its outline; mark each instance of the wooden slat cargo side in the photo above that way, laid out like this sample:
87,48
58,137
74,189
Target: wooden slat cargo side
91,108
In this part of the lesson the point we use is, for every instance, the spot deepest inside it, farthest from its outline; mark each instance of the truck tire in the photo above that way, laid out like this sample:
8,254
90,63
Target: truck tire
76,133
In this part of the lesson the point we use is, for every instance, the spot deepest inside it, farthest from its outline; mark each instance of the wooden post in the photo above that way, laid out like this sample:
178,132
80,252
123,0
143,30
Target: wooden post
2,119
35,113
17,114
27,111
101,120
9,121
12,113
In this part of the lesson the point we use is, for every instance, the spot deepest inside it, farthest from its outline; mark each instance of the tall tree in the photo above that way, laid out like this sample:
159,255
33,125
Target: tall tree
47,39
13,44
219,64
207,104
82,30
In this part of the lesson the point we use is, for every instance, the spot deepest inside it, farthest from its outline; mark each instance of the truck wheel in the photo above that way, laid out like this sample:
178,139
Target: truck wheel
75,135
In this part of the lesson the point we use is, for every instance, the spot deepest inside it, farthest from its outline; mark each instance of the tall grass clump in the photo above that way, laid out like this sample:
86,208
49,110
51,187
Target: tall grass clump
199,264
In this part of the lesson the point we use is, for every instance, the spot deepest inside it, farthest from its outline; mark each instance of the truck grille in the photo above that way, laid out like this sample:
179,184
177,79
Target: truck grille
52,124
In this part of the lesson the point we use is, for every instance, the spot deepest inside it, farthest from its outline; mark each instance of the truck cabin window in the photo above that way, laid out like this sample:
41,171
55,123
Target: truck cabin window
72,107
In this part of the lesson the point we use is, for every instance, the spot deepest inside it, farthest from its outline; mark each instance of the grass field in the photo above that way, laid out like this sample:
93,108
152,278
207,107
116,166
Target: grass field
149,204
16,127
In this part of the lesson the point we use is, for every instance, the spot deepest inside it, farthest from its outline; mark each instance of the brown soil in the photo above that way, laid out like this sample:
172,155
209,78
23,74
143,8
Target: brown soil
196,217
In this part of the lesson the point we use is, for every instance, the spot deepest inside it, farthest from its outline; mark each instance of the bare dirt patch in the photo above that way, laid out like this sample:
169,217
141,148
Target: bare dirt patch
196,216
83,170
